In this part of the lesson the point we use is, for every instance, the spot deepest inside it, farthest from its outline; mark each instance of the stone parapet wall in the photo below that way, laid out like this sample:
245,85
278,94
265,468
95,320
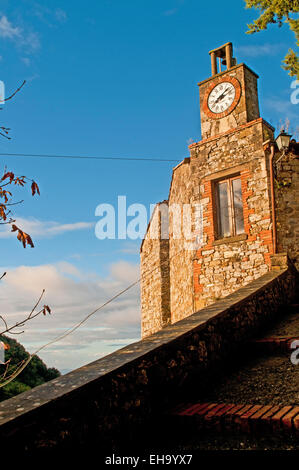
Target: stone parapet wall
103,403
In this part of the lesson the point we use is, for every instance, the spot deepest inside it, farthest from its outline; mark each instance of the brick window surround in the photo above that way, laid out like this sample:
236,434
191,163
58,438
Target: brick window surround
228,207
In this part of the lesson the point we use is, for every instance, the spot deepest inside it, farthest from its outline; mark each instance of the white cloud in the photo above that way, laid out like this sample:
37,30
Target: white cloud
71,296
7,30
283,107
75,256
170,12
124,271
258,50
49,16
30,41
174,10
68,268
60,15
131,248
26,61
42,229
32,77
27,40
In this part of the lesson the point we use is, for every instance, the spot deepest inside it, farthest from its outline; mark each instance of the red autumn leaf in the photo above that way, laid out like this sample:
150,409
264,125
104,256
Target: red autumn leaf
2,212
23,237
20,180
27,240
9,175
35,188
46,309
4,194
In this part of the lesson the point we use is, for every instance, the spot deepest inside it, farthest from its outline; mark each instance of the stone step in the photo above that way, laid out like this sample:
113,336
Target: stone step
294,307
275,344
246,418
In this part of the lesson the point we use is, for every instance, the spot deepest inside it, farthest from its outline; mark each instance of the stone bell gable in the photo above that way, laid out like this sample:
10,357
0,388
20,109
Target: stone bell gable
230,207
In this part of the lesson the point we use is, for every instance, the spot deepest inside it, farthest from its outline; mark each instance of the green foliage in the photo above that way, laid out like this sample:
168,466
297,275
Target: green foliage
35,373
13,388
278,12
291,62
281,184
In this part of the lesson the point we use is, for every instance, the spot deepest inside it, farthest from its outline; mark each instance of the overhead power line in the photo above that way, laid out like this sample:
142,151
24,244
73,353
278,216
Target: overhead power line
88,157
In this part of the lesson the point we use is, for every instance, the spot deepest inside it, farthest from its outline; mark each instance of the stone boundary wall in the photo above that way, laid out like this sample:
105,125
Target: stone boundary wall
99,405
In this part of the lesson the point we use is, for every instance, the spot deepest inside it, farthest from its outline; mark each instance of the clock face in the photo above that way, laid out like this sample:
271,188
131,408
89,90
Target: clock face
221,97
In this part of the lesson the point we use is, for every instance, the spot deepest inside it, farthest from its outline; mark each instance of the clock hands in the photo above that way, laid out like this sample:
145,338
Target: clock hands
222,95
219,98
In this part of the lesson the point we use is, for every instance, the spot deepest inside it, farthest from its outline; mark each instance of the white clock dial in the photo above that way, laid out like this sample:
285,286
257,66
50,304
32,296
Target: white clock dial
221,97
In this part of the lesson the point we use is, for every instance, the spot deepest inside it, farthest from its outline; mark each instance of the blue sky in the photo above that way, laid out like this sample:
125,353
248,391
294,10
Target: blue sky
115,79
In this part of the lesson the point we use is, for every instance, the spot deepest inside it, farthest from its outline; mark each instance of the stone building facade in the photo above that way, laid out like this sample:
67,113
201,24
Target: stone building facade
229,208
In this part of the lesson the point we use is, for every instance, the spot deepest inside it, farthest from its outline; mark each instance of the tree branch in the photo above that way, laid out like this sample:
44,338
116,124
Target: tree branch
11,96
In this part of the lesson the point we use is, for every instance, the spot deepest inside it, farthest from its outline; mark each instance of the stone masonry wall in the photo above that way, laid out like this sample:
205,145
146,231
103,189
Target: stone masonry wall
166,265
246,110
197,278
222,266
155,283
252,102
287,205
181,279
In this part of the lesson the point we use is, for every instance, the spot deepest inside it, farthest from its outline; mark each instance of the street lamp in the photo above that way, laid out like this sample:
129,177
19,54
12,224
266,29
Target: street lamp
283,141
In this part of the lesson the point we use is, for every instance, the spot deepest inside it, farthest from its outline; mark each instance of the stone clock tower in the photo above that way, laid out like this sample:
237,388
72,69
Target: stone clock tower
237,220
228,99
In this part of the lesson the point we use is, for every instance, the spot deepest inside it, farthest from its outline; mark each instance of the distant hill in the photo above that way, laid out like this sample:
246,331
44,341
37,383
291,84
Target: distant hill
35,373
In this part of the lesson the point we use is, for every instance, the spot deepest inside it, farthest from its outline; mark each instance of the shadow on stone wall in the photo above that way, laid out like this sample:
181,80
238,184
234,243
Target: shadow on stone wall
102,404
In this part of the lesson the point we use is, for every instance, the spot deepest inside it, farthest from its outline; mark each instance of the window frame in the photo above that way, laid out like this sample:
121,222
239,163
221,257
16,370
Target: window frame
231,206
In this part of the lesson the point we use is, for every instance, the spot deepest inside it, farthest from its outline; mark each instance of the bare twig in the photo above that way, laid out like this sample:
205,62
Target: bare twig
30,316
3,128
6,136
6,369
11,203
20,323
11,96
3,319
21,366
38,301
